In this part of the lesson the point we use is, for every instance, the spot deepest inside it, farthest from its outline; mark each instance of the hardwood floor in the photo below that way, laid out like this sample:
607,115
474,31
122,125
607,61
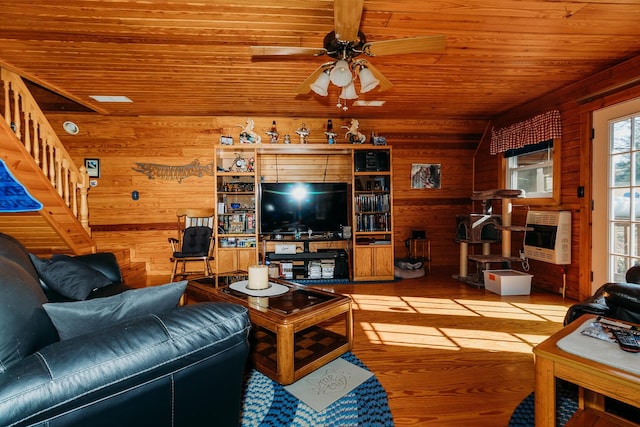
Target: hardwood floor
449,354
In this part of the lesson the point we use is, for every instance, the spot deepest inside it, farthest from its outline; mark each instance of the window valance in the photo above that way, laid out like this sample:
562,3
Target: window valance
539,128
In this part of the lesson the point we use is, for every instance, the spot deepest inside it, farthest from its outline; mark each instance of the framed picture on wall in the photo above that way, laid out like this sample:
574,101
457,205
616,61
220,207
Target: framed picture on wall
425,175
93,167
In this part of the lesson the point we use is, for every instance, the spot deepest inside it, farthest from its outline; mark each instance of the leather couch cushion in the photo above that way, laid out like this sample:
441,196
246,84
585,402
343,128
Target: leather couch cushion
24,326
104,262
76,318
69,277
195,242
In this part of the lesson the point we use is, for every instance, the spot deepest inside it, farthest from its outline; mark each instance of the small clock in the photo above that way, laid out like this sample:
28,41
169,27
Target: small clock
239,163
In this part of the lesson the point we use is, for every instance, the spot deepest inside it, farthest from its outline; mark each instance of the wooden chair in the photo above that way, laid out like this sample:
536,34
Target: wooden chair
195,242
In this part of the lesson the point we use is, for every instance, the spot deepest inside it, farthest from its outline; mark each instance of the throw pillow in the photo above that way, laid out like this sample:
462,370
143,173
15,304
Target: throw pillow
24,326
68,276
81,317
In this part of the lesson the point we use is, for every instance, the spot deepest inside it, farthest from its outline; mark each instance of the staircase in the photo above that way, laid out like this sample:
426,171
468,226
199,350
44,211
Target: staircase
36,157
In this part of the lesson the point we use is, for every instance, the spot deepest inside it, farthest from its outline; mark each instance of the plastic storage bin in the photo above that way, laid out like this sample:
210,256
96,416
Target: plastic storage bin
507,282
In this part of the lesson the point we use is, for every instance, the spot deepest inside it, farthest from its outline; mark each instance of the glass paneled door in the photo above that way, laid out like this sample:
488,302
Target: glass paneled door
624,196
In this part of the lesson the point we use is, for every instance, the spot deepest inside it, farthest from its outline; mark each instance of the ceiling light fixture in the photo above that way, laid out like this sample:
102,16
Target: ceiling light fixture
71,128
111,98
341,73
367,80
349,91
362,103
321,85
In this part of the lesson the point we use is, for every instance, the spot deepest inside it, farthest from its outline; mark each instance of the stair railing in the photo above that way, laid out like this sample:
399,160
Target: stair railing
32,128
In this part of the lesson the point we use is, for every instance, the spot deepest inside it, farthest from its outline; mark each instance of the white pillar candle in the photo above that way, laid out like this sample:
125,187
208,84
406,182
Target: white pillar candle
258,277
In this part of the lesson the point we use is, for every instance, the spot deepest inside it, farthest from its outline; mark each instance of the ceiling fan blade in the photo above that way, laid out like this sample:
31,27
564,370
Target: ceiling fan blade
347,15
401,46
286,51
305,86
384,82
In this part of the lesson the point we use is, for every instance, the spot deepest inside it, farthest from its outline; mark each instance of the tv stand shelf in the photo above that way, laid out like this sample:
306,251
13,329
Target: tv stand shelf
301,256
302,260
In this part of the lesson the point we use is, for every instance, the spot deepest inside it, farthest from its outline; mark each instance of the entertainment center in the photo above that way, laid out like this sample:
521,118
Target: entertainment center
320,211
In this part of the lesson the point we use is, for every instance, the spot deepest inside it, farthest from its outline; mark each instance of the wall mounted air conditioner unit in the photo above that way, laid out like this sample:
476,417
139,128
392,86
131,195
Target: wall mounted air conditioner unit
550,239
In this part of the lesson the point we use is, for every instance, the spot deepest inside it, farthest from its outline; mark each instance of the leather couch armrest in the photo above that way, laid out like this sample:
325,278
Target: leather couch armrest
577,310
624,300
623,294
595,304
104,262
151,353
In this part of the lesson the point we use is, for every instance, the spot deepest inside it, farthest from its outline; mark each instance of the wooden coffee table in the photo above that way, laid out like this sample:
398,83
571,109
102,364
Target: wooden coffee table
293,334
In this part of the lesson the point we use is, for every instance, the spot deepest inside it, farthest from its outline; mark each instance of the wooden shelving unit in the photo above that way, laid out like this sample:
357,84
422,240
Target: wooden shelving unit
240,168
373,251
235,194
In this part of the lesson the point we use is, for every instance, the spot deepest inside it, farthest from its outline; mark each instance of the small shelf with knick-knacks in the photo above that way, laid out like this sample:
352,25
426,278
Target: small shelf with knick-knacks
235,194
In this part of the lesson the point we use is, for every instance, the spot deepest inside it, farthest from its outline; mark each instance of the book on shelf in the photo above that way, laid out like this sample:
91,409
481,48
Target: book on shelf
373,222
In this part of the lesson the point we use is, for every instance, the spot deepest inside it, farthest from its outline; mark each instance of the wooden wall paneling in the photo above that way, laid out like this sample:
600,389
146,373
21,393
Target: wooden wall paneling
144,225
432,210
576,103
455,171
301,167
438,219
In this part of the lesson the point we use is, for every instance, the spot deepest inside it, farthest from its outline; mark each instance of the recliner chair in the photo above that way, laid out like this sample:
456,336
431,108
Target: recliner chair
614,300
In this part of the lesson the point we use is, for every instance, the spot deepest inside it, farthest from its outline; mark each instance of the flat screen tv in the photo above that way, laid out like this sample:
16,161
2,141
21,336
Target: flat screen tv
302,206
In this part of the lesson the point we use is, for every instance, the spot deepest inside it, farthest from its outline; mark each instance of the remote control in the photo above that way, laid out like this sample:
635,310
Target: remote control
626,340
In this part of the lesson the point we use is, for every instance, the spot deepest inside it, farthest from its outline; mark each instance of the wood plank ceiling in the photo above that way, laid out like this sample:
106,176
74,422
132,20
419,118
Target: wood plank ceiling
192,58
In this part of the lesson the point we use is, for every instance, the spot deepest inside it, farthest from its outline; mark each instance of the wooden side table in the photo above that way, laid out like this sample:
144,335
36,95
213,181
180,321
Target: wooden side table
595,380
421,249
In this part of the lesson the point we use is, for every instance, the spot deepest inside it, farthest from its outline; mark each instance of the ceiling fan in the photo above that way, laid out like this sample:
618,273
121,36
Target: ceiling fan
344,44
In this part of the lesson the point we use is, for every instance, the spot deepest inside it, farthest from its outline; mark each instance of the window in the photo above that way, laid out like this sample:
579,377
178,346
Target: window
616,191
624,195
531,169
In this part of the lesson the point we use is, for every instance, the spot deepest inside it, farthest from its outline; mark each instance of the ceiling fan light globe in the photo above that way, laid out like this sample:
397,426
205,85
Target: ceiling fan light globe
340,74
367,80
321,85
349,92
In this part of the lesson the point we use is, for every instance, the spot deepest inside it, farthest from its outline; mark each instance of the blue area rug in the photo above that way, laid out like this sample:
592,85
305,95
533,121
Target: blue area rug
267,403
566,406
13,196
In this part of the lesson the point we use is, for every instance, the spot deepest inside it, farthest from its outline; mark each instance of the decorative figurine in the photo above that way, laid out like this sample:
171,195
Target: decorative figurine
304,133
287,139
273,133
353,135
331,135
248,135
